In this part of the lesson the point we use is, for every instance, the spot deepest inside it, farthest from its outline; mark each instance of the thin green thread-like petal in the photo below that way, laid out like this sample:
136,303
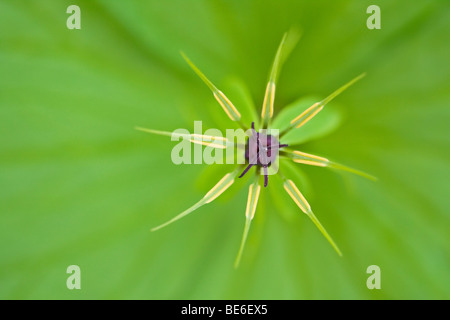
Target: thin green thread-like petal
312,111
313,160
212,194
287,43
207,140
301,202
252,201
224,102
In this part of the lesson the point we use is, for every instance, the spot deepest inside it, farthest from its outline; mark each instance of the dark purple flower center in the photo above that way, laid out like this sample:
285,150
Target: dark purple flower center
261,150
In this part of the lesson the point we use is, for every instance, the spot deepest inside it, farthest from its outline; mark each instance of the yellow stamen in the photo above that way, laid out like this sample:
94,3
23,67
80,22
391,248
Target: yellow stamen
301,202
222,143
269,99
311,163
311,156
252,201
219,188
209,144
205,137
227,106
306,115
297,196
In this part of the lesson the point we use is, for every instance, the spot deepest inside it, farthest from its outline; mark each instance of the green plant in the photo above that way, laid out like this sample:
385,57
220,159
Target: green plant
265,147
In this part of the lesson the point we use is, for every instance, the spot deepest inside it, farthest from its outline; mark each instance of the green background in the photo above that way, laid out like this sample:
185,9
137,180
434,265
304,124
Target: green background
78,185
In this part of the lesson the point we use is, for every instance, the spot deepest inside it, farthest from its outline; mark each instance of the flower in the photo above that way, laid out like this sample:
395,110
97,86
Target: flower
262,148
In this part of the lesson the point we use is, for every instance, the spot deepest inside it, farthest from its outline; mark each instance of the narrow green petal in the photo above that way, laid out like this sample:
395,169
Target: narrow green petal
301,202
342,89
207,140
252,201
239,93
363,174
158,132
309,113
181,215
243,241
313,160
269,99
324,123
296,195
224,102
287,43
310,159
212,194
324,232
